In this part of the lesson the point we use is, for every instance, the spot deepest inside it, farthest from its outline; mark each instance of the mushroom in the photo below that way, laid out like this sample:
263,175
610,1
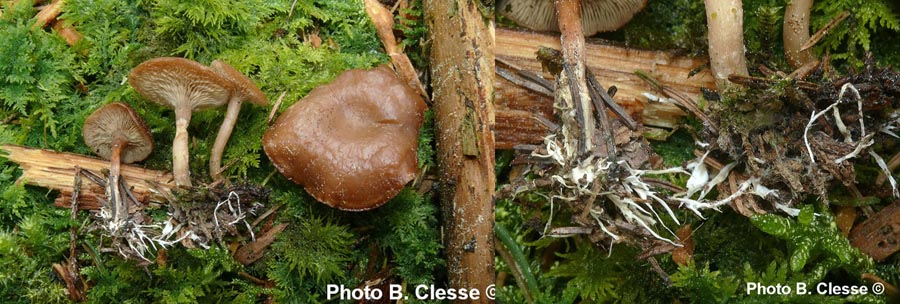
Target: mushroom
186,86
242,88
115,132
596,15
352,142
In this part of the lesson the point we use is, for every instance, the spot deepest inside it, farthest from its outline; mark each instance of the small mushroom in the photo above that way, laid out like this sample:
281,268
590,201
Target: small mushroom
115,132
351,143
242,89
185,86
596,15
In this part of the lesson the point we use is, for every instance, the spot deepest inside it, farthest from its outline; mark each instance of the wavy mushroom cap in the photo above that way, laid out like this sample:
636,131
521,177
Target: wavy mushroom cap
117,120
171,81
351,143
596,15
242,86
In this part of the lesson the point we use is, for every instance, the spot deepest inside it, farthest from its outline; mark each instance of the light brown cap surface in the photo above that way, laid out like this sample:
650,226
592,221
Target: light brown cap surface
242,85
170,80
596,15
114,120
351,143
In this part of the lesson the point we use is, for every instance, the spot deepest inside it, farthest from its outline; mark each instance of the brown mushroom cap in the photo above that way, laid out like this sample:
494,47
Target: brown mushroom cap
596,15
168,80
118,120
243,86
351,143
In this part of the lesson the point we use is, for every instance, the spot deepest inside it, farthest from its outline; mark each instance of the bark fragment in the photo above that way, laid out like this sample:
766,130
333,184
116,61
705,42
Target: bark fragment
879,236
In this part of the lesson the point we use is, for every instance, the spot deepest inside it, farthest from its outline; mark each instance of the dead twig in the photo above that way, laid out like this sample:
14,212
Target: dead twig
384,27
684,102
595,88
516,79
824,30
275,108
253,251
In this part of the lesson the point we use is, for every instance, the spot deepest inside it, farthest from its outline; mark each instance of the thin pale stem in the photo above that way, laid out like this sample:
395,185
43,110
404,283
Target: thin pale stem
180,154
215,157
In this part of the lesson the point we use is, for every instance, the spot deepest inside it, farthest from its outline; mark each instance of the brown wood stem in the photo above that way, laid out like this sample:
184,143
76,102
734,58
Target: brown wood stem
462,69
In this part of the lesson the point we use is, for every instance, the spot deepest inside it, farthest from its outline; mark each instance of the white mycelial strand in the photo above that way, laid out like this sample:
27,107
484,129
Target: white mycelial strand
812,119
841,126
887,172
865,142
719,178
815,116
699,177
788,210
596,215
625,204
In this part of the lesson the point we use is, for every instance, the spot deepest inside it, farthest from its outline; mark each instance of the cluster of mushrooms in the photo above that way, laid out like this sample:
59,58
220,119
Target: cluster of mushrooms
352,146
188,86
351,143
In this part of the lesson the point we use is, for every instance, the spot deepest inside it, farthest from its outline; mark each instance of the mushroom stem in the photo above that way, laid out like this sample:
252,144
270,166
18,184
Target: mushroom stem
120,210
215,157
572,41
180,158
725,19
796,32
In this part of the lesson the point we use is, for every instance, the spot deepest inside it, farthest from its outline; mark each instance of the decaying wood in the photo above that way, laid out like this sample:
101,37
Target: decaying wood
47,14
384,27
462,62
74,284
684,255
56,170
253,251
612,66
879,236
68,33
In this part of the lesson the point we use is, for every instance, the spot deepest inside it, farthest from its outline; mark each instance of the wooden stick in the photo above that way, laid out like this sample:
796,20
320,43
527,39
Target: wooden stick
462,69
56,170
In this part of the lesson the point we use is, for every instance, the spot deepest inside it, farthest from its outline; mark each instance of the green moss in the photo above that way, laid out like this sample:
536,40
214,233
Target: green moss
677,149
853,37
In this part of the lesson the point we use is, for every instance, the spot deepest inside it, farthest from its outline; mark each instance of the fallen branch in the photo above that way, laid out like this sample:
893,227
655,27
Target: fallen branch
56,170
462,78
